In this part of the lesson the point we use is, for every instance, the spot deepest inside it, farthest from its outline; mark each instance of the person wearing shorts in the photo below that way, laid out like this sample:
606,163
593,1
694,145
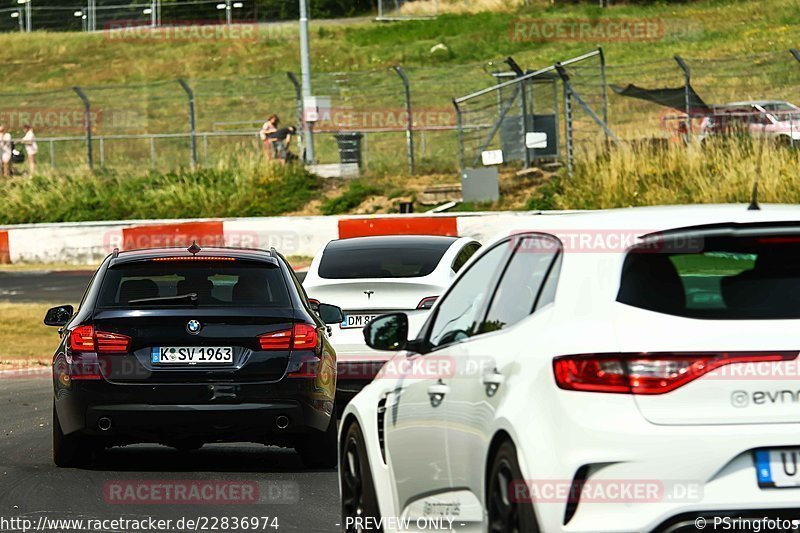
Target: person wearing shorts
31,147
267,131
5,151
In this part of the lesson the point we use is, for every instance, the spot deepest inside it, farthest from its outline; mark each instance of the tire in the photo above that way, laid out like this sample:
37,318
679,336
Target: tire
355,478
505,515
68,450
319,450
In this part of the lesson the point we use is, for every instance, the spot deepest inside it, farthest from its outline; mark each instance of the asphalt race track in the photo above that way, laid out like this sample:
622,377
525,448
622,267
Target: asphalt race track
31,487
50,286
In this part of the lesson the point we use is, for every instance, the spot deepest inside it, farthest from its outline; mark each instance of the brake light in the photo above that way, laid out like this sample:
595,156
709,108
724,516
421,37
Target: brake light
300,337
193,258
427,302
305,337
277,340
81,339
86,339
112,342
647,373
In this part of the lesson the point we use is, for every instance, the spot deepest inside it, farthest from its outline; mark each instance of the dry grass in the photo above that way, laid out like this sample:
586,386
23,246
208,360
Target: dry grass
720,172
430,7
23,335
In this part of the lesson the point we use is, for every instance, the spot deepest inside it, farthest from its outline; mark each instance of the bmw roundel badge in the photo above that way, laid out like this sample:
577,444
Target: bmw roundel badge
193,327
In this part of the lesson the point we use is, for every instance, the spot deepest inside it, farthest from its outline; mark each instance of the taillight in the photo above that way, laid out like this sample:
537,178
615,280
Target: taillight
300,337
427,302
647,373
86,339
277,340
81,339
305,337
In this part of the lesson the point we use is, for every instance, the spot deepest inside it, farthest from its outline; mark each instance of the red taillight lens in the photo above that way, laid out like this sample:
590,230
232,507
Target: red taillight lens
277,340
86,339
305,337
81,339
112,342
647,373
301,337
427,302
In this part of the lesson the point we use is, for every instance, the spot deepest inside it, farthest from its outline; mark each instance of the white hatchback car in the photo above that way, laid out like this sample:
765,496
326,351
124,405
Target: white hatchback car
370,276
631,370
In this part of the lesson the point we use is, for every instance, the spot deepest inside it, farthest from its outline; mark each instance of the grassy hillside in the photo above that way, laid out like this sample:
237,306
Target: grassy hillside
703,28
243,79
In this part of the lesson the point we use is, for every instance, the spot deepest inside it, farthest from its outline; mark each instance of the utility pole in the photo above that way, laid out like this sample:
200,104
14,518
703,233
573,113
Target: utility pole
305,71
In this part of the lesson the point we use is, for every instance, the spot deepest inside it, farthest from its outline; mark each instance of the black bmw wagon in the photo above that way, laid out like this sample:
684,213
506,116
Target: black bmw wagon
184,347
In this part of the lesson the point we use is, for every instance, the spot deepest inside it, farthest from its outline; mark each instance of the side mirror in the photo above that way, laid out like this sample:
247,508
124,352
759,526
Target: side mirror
387,332
314,304
59,316
330,314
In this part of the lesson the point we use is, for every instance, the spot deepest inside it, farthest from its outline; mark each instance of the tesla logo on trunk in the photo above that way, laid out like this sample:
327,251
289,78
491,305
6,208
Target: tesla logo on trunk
193,327
369,294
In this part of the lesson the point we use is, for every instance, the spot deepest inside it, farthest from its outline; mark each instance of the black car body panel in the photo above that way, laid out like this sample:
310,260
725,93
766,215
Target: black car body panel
273,396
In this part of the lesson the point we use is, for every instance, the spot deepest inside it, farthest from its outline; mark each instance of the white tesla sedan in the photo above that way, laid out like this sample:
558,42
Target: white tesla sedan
370,276
631,370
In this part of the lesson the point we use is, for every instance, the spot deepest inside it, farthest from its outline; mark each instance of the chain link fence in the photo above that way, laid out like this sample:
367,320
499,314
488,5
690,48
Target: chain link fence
402,120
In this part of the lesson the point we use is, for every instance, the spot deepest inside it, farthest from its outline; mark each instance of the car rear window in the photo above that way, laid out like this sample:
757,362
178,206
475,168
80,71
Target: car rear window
409,260
216,284
729,278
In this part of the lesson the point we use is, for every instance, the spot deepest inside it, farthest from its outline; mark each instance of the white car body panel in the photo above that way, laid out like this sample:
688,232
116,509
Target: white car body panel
691,439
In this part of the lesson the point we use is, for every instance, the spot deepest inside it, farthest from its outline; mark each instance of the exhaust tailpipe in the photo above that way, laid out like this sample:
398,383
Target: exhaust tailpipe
104,424
282,422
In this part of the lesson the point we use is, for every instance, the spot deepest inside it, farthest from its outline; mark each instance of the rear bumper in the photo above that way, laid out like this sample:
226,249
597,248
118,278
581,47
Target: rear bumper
170,413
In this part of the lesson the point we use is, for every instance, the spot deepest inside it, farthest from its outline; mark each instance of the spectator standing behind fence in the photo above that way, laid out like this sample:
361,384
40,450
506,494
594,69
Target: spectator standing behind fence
31,147
281,140
5,150
267,130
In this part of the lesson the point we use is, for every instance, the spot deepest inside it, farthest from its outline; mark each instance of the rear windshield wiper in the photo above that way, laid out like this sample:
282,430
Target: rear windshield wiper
192,297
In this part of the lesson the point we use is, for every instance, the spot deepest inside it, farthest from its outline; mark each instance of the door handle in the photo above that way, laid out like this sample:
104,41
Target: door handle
437,393
492,382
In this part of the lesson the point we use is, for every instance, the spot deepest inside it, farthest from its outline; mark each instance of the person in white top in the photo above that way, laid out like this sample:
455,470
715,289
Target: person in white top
269,127
5,150
29,140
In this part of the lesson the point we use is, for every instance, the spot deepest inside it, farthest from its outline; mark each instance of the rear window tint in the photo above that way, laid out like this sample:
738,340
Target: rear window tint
215,284
730,278
381,261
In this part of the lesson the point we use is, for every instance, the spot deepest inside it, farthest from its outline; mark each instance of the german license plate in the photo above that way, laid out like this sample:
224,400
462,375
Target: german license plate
356,320
778,467
192,355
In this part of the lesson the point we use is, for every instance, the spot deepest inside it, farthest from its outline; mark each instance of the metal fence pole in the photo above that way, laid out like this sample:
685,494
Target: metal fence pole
87,120
192,125
567,119
687,88
52,155
152,152
409,118
102,152
603,86
460,125
299,97
524,103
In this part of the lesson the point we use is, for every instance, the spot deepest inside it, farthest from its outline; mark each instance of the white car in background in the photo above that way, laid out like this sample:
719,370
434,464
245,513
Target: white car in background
370,276
649,385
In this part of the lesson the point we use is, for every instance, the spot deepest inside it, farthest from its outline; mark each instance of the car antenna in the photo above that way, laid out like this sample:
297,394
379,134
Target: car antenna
115,253
754,199
193,249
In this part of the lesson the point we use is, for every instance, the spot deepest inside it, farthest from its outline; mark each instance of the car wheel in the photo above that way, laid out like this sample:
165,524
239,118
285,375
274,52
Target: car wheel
68,450
358,491
506,515
320,451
